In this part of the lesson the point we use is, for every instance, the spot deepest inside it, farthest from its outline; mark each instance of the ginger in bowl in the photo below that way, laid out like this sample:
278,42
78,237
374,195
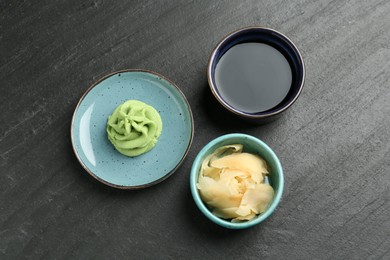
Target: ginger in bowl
236,181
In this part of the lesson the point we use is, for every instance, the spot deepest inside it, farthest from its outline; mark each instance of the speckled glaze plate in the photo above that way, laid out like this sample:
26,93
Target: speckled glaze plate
99,157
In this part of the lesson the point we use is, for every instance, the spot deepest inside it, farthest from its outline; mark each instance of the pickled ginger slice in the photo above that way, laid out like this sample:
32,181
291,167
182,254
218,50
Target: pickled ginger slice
245,218
226,213
245,162
207,169
218,195
257,199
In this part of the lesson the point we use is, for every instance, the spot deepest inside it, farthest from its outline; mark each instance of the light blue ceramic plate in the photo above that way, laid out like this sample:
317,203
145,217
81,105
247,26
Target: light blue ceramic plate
99,157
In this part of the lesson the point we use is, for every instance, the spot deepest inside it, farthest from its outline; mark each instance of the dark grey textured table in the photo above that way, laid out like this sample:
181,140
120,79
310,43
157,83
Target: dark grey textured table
334,143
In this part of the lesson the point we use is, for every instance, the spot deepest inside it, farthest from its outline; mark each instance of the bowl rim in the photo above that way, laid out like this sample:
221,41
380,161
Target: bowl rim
236,111
203,208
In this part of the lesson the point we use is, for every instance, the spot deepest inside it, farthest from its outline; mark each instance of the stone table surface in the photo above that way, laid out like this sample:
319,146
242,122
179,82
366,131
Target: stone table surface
334,143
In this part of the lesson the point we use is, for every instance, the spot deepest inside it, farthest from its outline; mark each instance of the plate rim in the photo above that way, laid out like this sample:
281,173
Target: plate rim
149,184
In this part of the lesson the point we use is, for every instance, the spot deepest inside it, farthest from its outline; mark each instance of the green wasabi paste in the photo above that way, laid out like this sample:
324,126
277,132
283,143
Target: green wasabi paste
134,128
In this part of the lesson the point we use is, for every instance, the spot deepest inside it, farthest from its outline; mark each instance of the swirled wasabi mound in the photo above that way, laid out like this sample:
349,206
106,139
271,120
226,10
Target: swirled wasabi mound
232,183
134,128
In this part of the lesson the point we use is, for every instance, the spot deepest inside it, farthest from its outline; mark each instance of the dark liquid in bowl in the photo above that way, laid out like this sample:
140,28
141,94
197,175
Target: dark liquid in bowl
253,77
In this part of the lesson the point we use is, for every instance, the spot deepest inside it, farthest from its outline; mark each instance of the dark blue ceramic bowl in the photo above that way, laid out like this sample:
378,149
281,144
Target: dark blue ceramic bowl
279,42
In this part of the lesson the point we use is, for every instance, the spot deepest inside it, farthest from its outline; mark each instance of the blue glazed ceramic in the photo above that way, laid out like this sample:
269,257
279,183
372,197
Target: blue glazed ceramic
275,39
251,145
98,156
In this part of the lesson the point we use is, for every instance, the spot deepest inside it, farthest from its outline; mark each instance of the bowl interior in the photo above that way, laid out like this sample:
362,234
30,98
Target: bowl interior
251,145
274,39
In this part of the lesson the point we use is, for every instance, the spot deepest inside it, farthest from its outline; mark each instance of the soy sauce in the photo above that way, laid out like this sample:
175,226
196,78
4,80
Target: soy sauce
253,77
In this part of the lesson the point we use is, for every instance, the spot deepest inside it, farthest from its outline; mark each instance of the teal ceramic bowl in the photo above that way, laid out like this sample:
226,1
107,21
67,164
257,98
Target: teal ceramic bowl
252,145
